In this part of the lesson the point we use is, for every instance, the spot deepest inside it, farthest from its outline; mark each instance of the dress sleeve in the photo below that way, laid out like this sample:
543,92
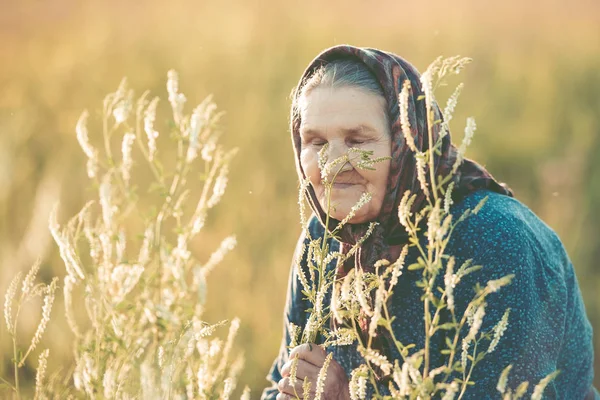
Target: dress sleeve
547,329
293,313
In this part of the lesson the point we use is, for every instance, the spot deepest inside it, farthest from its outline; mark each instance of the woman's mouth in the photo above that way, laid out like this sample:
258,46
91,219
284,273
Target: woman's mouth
339,185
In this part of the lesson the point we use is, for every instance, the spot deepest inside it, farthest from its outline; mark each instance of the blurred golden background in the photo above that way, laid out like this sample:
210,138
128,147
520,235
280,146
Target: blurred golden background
533,88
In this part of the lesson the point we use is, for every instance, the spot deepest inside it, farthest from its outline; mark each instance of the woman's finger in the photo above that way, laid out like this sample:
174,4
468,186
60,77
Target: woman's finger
284,386
303,369
310,352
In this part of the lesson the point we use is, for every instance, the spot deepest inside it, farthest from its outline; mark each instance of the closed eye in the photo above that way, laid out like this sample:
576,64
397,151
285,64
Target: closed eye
356,142
313,141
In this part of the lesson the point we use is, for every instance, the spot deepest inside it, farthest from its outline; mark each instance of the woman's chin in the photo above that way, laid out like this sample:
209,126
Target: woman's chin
357,219
340,209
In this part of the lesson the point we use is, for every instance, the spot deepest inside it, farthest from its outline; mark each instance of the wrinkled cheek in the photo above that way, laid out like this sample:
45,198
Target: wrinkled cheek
310,165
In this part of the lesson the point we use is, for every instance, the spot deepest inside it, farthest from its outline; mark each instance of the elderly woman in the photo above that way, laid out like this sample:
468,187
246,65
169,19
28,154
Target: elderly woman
348,98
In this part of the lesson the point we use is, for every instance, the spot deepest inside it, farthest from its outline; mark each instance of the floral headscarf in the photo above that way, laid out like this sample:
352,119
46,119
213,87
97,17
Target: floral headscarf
391,71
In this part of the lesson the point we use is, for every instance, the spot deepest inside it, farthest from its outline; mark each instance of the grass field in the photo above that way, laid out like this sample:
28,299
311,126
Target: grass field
533,88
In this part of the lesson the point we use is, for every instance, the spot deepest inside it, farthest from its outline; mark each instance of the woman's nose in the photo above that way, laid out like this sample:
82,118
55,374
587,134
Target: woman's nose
335,151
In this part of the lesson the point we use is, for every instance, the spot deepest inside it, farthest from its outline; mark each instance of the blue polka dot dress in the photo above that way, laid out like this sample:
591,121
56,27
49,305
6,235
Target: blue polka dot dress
548,328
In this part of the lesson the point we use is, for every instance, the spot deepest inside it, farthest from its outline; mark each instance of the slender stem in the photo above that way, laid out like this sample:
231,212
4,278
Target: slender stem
478,298
106,134
427,270
98,333
430,247
8,383
205,188
431,157
15,354
138,134
464,386
426,368
372,374
324,242
16,366
437,311
396,341
455,341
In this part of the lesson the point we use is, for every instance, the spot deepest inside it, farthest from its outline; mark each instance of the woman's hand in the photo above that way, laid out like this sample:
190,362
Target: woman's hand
310,360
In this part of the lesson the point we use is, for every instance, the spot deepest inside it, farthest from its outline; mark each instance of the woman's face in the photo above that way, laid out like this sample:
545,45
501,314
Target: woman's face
346,117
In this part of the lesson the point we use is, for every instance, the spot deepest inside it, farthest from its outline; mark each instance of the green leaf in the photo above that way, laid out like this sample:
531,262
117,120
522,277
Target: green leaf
415,266
413,240
447,326
428,384
418,362
154,187
472,269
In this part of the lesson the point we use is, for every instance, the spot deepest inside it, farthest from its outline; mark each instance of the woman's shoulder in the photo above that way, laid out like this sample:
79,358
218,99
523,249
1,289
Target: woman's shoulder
505,227
503,217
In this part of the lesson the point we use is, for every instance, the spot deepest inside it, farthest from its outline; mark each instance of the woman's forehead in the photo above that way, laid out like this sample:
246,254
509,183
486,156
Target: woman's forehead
349,130
349,109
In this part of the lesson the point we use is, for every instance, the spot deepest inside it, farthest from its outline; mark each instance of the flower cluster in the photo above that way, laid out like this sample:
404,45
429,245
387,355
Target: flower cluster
141,332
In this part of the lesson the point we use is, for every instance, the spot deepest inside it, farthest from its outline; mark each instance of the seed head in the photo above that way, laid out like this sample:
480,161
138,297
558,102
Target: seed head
404,209
469,132
151,133
358,383
448,198
322,376
46,309
499,331
246,394
450,281
226,246
8,299
379,298
501,387
404,121
364,199
538,391
41,372
376,358
451,391
219,187
128,140
88,149
476,324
